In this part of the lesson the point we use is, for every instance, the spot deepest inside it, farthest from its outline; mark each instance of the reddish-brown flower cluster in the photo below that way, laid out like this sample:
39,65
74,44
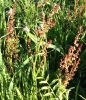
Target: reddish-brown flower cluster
28,44
70,63
12,40
45,26
47,23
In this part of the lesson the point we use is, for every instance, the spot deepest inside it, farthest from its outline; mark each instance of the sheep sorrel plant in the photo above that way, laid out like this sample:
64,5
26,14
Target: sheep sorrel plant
70,63
11,51
40,66
67,69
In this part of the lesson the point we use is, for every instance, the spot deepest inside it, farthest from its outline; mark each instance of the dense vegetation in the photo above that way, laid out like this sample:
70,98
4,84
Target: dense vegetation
42,49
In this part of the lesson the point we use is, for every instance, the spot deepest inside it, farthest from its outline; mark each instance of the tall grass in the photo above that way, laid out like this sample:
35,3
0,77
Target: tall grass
36,59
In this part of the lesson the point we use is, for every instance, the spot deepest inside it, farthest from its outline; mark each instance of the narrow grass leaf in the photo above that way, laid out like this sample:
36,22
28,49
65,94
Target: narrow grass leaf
54,81
76,93
45,88
1,62
47,94
55,87
47,78
11,85
22,65
33,37
82,97
56,47
43,82
19,93
39,77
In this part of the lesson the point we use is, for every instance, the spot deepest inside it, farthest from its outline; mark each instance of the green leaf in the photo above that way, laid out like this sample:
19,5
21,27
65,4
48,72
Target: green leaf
55,87
45,88
54,81
76,92
43,82
57,47
82,97
83,54
11,85
39,77
47,78
32,37
23,64
1,61
19,93
48,94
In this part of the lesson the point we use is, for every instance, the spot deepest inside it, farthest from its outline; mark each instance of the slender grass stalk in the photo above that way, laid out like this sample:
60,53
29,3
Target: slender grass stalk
34,69
3,21
82,97
76,93
75,4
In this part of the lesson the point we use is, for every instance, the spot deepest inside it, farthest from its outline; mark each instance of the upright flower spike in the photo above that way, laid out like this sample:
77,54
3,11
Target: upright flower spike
70,63
47,23
12,41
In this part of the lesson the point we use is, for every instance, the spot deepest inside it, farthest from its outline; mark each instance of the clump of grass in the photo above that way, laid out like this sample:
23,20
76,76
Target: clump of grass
33,44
